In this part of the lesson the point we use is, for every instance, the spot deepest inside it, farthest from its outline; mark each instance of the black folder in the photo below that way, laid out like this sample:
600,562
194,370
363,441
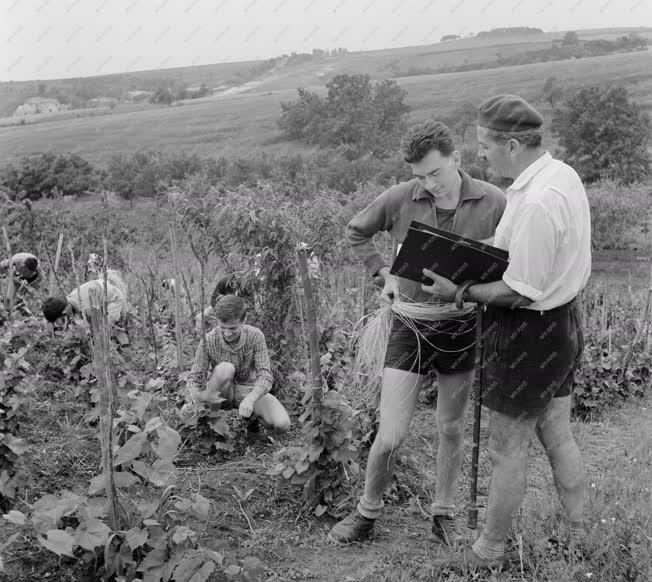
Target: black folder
450,255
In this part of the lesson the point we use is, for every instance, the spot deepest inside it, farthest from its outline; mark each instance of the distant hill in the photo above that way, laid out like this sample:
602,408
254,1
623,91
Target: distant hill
300,69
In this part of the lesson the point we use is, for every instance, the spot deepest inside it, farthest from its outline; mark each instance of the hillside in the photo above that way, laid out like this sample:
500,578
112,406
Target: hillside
242,114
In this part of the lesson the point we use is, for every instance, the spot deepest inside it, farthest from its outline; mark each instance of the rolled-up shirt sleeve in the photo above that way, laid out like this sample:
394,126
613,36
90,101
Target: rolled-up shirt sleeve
532,250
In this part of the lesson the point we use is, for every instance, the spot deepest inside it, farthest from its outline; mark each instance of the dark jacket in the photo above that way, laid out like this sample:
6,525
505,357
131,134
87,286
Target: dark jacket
478,212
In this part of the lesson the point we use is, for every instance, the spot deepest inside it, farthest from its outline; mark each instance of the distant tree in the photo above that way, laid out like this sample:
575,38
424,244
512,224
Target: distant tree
42,88
605,135
43,175
462,118
552,92
449,37
570,38
356,113
162,96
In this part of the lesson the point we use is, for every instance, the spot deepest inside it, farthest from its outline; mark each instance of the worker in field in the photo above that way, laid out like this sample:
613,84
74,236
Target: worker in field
532,321
234,365
26,269
426,337
82,299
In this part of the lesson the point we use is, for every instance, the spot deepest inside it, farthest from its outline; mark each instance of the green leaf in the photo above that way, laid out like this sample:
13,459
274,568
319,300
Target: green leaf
201,507
168,443
15,516
136,537
182,534
49,509
163,473
147,508
58,541
16,445
95,534
122,479
152,565
141,404
153,424
187,566
253,570
131,449
203,573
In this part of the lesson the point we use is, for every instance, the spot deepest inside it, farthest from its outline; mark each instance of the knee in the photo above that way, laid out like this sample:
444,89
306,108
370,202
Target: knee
504,451
282,425
387,445
224,371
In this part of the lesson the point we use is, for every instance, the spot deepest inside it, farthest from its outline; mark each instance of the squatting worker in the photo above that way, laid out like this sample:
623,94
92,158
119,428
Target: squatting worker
532,322
26,268
443,196
82,299
235,355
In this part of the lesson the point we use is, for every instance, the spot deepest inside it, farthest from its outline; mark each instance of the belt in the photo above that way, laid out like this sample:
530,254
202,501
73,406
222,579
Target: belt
554,310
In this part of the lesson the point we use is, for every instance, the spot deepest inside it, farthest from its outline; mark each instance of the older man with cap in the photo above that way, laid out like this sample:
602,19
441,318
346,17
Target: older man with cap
532,322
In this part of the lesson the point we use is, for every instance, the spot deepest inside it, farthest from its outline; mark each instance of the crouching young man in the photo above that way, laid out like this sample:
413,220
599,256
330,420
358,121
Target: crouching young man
236,355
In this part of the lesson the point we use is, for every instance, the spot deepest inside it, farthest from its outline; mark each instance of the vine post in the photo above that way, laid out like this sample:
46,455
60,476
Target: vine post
55,266
9,294
177,298
311,320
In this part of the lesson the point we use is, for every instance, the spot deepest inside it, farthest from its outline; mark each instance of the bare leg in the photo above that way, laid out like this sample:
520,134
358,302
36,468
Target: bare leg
268,408
221,383
452,396
508,446
398,399
554,432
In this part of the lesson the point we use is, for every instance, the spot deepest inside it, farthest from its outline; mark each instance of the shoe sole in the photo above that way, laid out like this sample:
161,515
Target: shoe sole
330,539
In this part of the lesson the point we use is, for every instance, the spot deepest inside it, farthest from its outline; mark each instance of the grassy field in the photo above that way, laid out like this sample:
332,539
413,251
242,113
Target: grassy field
240,123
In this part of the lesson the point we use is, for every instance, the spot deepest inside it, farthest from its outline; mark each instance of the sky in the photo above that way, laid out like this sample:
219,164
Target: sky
48,39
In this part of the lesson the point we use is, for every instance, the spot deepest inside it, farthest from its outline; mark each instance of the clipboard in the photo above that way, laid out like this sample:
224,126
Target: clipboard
448,254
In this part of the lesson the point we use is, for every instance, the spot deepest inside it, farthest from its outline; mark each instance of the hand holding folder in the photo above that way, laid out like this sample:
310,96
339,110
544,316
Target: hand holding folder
449,255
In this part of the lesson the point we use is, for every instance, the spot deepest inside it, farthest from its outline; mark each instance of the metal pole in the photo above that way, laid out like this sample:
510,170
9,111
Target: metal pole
477,414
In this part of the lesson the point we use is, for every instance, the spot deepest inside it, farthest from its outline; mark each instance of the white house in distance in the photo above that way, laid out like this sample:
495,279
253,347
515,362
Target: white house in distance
101,102
40,105
138,95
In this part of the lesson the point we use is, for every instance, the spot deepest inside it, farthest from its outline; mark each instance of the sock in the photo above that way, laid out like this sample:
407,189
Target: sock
369,510
442,510
487,549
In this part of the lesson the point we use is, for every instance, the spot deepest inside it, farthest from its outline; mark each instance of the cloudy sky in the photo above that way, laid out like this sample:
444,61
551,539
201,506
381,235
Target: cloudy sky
45,39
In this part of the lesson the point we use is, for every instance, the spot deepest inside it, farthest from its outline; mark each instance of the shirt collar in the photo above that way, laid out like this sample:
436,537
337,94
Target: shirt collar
469,190
532,170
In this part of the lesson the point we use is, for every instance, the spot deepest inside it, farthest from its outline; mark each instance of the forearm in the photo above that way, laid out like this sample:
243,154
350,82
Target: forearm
497,293
262,386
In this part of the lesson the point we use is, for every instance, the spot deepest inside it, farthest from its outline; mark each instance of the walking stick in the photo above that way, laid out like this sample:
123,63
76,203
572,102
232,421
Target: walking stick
477,411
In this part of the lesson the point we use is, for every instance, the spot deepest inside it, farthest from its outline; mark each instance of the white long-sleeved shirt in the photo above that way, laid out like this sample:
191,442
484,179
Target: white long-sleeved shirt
546,228
91,294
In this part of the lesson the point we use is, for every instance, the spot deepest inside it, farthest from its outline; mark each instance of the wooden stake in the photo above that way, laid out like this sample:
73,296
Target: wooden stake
55,267
177,299
101,361
10,291
313,334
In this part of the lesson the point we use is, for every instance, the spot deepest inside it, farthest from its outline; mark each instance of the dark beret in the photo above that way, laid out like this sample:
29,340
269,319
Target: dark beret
508,113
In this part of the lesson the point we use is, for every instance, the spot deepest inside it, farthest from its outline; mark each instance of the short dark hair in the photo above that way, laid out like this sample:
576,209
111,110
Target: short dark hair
31,263
53,308
425,137
229,307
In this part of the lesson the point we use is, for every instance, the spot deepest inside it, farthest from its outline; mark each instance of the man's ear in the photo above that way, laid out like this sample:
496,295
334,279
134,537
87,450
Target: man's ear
457,158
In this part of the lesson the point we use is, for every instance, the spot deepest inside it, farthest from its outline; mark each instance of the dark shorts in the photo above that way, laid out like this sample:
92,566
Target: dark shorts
445,346
529,357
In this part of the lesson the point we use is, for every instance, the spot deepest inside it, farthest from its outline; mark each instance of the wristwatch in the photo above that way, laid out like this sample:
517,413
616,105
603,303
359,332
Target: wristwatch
462,293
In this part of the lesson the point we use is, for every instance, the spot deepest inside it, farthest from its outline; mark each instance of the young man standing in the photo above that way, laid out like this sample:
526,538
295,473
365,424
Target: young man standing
443,196
241,374
532,321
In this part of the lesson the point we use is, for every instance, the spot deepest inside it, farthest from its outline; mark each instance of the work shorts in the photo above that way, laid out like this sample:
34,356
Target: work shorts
446,346
529,357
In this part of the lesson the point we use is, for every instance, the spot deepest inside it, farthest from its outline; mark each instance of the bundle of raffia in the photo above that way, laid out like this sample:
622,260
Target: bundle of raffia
371,334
